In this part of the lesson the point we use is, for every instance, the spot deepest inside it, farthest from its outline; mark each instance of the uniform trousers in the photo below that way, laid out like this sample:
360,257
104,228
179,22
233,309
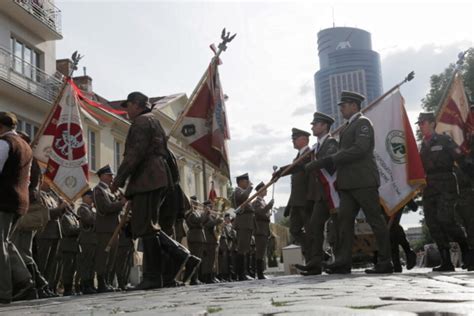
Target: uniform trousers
86,261
12,267
465,211
350,203
124,263
69,266
209,258
48,259
440,219
319,217
300,226
244,236
104,261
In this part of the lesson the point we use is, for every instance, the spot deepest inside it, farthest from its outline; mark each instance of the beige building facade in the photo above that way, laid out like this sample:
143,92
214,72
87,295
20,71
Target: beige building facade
30,81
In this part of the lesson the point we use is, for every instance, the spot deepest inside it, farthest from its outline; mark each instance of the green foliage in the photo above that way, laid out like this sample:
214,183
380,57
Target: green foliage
439,83
279,303
214,309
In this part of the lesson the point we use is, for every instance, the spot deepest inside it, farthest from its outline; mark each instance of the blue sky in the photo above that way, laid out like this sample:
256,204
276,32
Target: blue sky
162,48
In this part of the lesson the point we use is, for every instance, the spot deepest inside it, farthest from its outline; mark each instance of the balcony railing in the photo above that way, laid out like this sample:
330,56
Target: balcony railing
43,10
28,77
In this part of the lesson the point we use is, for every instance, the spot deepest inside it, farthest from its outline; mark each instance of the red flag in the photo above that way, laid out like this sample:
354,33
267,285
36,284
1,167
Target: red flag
204,126
454,114
212,193
60,146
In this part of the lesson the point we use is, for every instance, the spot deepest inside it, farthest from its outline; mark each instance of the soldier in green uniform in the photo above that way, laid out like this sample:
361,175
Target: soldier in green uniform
244,223
299,208
69,248
262,229
108,206
325,146
88,243
357,183
195,236
224,253
439,153
210,245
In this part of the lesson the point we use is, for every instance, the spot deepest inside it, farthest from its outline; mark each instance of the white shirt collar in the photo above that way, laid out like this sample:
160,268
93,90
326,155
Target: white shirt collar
302,150
354,117
9,132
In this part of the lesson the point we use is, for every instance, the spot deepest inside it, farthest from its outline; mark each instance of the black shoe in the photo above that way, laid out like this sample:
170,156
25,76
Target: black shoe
411,260
50,293
195,282
397,268
191,267
338,270
314,271
42,293
29,294
309,266
147,284
103,287
446,264
5,301
380,268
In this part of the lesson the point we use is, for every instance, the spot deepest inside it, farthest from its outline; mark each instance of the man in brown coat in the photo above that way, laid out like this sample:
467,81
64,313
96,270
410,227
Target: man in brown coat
262,228
15,164
145,164
108,206
357,183
325,146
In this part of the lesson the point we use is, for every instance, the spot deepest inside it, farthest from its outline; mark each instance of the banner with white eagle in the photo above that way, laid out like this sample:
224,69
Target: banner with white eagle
61,149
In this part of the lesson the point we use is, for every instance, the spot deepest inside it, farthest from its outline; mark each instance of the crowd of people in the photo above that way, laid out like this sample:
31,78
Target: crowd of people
49,244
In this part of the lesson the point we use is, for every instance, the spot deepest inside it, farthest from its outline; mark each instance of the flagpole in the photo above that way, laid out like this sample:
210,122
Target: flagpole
409,77
457,67
226,38
75,61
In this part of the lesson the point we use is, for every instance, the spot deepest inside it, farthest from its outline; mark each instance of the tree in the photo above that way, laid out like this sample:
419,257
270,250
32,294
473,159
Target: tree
439,83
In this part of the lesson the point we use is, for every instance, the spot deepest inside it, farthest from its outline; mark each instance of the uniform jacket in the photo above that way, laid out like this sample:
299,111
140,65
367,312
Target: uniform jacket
355,161
144,158
226,240
194,221
52,230
315,187
262,217
245,219
71,229
87,215
299,182
438,156
108,208
210,224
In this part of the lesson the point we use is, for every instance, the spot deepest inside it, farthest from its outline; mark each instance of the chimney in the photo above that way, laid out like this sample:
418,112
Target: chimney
64,66
84,83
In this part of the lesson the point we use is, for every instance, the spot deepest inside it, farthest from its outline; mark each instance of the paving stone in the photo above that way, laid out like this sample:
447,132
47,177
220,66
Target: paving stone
418,292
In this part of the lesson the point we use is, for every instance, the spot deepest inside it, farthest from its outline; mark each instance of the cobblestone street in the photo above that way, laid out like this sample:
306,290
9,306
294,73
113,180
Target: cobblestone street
418,292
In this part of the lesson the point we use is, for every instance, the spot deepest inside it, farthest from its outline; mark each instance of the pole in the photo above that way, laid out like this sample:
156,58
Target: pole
409,77
457,67
273,188
75,61
119,227
226,38
204,180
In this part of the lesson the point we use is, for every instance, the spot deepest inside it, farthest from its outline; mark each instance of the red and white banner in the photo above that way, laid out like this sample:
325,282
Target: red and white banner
60,146
328,181
204,126
396,153
454,115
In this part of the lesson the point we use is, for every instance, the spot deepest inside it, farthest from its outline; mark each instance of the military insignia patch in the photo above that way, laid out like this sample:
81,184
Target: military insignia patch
396,146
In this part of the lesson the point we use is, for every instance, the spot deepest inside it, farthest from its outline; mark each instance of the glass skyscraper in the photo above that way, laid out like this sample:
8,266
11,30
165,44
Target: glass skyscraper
346,62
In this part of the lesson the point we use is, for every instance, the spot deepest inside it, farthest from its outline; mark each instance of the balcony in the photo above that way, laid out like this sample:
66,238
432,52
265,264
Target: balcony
41,17
31,80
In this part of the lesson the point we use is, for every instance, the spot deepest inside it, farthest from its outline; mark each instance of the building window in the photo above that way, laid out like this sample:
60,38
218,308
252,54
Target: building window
92,149
25,59
27,127
117,154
